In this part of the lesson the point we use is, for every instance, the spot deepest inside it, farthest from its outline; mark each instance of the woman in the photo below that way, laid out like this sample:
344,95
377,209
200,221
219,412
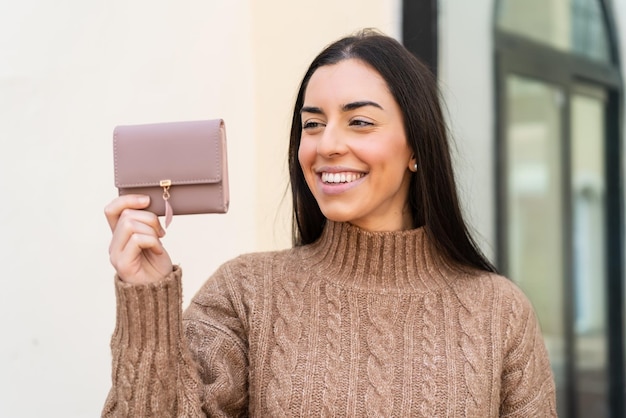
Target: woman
383,307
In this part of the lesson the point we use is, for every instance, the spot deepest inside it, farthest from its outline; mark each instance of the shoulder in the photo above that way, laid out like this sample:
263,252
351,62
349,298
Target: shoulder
256,264
511,309
482,284
245,272
508,290
228,296
512,298
499,307
496,299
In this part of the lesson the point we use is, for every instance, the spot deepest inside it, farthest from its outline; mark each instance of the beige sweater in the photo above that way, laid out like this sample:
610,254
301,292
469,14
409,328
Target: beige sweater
358,324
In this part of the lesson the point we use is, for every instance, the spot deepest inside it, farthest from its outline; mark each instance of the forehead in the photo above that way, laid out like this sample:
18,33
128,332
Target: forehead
347,80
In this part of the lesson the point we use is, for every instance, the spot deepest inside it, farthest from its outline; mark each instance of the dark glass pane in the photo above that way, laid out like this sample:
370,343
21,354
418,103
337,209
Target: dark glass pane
576,26
589,34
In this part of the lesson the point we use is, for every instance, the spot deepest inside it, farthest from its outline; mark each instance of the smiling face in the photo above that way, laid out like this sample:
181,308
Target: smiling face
353,150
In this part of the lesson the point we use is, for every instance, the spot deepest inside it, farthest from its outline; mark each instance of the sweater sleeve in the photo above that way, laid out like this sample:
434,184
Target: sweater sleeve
217,337
164,366
153,373
527,382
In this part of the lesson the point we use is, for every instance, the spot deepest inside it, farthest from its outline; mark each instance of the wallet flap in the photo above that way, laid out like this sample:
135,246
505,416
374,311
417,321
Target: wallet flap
182,152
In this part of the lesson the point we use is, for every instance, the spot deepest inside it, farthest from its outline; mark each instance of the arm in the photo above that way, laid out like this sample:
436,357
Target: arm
217,339
527,381
153,373
164,366
157,370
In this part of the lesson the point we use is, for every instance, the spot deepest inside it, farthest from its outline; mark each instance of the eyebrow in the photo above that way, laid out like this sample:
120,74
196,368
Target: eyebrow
345,108
357,105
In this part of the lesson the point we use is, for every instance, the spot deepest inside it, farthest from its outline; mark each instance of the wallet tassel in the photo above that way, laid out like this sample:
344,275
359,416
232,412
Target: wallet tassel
169,213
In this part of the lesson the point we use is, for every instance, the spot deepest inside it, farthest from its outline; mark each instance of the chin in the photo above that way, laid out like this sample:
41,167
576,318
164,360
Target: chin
337,216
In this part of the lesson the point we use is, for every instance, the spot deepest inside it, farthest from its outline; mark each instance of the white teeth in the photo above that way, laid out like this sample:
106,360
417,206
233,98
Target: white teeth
341,177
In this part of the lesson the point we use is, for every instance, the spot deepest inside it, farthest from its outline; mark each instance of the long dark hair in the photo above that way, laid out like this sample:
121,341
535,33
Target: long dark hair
433,199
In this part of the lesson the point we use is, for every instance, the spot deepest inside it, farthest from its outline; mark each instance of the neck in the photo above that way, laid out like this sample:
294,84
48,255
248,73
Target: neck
382,261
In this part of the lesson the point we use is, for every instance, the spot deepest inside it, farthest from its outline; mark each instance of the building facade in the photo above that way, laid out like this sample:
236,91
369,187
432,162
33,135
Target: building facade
535,92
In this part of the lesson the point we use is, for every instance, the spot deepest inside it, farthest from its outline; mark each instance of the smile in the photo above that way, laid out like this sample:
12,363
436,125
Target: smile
344,177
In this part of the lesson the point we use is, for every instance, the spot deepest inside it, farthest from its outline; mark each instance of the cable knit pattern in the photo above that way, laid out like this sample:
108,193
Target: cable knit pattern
357,324
515,376
473,348
429,356
380,364
287,332
333,351
150,351
513,318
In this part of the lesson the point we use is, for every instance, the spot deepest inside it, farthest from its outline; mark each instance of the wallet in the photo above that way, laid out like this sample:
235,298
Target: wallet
182,166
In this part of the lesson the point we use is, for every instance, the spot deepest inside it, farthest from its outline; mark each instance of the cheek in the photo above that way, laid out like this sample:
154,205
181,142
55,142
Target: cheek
390,159
305,154
304,157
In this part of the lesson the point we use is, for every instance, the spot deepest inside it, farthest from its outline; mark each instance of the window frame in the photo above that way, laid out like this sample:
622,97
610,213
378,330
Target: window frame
514,54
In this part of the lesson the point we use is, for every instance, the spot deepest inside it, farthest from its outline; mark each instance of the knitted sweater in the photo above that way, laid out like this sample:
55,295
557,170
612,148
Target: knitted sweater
357,324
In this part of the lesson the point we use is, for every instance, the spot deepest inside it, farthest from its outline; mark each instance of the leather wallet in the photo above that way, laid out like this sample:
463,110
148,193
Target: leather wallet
182,166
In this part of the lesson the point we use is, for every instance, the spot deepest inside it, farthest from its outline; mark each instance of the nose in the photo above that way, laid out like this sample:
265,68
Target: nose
331,142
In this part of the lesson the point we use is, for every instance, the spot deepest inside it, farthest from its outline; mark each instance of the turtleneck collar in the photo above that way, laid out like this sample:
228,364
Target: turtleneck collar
381,262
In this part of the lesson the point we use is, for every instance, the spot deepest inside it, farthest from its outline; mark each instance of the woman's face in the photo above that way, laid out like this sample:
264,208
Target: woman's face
353,151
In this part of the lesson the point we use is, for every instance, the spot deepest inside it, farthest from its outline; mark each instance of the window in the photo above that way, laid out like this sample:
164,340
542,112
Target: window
575,26
559,191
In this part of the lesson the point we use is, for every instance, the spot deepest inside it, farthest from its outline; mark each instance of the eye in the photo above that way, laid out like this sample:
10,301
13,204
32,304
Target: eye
360,123
311,124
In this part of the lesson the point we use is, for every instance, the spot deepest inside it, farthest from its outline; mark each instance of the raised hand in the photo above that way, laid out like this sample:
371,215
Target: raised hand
136,251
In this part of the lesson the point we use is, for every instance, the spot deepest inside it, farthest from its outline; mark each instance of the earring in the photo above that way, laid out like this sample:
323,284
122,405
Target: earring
415,167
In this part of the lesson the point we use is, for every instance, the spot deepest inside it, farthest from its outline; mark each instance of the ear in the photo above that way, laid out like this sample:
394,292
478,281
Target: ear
413,164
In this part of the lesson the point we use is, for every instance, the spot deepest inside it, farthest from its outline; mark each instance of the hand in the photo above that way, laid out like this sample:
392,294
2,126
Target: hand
136,251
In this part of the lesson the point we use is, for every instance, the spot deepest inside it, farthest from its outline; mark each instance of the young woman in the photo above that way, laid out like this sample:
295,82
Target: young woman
384,306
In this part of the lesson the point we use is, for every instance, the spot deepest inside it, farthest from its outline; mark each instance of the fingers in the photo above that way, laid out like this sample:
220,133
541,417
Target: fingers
135,244
134,222
136,228
127,261
114,209
136,251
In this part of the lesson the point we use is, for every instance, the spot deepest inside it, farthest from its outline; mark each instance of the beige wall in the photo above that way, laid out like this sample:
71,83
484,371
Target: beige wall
466,81
287,35
69,72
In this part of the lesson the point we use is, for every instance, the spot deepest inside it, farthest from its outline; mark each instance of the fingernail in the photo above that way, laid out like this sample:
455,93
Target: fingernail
144,200
162,232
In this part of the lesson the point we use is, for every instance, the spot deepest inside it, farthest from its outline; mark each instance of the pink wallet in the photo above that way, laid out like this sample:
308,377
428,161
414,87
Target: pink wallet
182,166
